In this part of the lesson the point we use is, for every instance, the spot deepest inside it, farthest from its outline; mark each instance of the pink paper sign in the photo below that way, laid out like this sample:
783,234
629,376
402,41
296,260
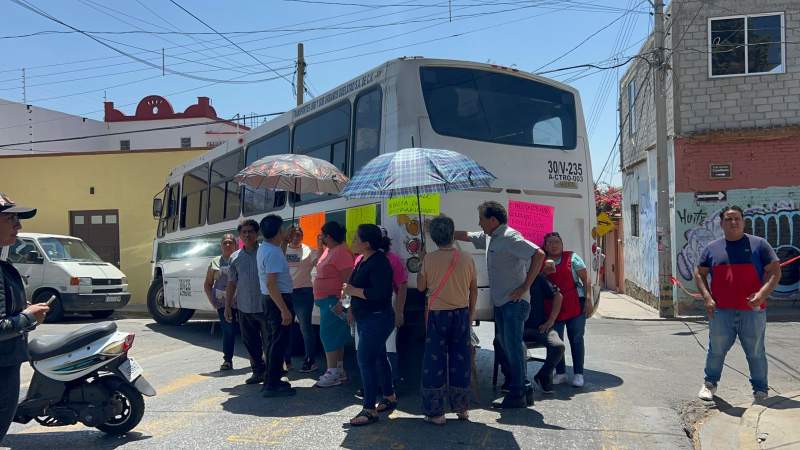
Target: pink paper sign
531,219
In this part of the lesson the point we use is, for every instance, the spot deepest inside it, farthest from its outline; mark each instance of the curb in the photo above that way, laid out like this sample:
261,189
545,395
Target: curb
748,433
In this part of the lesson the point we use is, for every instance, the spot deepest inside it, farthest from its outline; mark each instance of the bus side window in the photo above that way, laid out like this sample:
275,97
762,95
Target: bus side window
194,203
324,136
366,139
263,200
224,198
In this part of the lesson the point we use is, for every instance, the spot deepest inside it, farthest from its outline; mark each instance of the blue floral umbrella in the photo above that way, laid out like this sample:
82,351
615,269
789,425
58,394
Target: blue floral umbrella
415,171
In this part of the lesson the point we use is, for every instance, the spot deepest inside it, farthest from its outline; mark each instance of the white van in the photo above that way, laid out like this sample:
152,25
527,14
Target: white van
68,268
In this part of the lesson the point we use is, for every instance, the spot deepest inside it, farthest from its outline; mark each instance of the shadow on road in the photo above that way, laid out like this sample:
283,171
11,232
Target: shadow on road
406,433
86,438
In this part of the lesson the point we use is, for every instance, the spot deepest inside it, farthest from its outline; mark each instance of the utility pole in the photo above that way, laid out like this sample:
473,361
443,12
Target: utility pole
666,307
301,71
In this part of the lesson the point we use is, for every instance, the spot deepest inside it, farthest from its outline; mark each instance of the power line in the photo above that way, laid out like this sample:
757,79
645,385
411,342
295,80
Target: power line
229,40
40,12
170,127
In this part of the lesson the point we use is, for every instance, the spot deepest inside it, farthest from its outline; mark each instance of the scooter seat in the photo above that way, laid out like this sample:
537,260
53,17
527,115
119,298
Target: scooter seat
57,344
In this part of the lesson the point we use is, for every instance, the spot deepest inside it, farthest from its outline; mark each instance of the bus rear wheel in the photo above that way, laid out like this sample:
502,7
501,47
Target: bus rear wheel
163,314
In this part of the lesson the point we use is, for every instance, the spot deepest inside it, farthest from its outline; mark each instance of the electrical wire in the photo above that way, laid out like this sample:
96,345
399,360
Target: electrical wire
117,133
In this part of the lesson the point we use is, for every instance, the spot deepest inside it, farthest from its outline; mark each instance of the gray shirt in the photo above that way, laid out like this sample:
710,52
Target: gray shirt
508,258
244,272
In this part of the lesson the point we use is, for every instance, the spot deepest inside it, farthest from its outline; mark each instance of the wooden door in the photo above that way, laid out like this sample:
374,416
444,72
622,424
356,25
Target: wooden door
100,230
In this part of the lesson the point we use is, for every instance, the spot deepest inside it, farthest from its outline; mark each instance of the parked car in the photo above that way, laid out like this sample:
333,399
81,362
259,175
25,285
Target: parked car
66,267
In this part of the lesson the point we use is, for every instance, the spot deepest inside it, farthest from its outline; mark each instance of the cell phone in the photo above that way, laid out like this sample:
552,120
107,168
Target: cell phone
50,300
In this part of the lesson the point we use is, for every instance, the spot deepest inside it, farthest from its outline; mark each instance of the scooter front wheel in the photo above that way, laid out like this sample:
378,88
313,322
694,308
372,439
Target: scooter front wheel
129,409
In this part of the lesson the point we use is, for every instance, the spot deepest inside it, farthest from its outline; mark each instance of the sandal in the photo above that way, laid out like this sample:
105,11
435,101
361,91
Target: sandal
386,405
438,420
364,413
463,415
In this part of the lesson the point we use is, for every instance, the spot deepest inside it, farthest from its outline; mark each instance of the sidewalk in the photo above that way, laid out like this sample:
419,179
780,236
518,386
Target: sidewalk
623,307
768,426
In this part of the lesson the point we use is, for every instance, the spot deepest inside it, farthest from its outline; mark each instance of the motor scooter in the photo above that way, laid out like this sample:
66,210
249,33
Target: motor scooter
85,376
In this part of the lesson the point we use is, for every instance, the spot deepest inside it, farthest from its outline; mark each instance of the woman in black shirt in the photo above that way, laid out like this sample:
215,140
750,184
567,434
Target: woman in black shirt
370,287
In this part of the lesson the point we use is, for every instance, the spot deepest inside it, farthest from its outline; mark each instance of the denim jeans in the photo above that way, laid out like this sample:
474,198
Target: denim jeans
723,329
510,322
303,300
576,328
376,373
228,334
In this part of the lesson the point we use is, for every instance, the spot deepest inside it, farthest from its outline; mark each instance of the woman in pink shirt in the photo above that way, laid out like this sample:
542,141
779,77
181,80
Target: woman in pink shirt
333,269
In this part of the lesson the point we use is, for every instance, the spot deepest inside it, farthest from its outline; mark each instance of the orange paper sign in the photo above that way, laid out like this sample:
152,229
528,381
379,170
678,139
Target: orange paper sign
311,225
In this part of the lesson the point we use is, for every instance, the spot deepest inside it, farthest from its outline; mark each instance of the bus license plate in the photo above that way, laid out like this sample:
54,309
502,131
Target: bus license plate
113,299
130,369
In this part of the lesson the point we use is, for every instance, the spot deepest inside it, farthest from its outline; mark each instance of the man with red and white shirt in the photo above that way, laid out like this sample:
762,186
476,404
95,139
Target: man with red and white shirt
744,270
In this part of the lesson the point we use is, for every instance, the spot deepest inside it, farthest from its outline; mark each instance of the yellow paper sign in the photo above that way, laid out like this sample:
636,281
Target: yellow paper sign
604,224
357,216
407,204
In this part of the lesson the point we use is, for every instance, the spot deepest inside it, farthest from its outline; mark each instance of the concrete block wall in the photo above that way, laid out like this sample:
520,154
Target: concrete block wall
749,101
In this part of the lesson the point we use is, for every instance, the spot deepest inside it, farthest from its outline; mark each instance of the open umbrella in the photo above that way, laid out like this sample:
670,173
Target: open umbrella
299,174
415,171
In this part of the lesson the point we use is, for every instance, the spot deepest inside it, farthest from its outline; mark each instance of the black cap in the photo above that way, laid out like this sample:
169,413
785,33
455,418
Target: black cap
7,205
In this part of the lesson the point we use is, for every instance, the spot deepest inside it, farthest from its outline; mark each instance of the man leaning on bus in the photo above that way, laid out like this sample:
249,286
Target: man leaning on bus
512,264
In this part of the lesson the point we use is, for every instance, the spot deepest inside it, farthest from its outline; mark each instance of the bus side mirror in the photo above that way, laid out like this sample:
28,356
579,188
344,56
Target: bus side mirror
157,206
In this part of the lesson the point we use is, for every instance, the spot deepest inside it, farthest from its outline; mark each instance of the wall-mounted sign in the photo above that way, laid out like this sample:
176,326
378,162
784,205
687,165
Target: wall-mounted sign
719,196
720,171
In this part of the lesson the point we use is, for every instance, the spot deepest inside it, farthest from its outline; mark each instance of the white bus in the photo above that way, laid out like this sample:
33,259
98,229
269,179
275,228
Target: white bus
527,130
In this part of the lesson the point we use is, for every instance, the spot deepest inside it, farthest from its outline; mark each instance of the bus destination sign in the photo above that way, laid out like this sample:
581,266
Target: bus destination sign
341,91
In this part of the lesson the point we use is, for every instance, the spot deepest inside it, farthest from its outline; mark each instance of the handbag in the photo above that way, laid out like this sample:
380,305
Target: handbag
435,294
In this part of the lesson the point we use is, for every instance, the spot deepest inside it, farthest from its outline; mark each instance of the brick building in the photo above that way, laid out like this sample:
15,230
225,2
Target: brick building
733,126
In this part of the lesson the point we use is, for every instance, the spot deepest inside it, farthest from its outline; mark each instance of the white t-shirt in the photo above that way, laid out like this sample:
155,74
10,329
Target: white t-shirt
300,266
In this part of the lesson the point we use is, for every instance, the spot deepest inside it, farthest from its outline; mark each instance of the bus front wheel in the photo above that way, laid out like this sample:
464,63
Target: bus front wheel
163,314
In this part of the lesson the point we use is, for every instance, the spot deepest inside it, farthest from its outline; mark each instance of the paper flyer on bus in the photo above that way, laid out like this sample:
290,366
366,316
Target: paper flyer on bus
356,216
531,219
311,225
407,204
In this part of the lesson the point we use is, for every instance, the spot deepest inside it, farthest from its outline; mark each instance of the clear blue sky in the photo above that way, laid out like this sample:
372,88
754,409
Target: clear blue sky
342,39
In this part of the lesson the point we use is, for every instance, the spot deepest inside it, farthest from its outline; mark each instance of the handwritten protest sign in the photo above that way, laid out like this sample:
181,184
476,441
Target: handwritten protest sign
531,219
311,225
407,204
357,216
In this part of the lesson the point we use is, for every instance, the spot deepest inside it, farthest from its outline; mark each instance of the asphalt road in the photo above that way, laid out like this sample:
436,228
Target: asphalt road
641,378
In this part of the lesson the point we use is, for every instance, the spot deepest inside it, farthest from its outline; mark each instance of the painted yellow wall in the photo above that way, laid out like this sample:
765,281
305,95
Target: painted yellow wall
124,181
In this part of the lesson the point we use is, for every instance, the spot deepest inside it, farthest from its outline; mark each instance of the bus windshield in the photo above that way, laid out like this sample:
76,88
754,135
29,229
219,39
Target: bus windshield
499,108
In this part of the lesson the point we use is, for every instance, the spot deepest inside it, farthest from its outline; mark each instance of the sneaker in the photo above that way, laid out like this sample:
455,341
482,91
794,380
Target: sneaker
226,365
559,378
707,392
342,376
309,366
577,380
255,379
329,378
760,397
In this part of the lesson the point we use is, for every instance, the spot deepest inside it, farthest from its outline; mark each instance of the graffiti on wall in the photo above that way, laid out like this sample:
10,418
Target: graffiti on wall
778,223
641,253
